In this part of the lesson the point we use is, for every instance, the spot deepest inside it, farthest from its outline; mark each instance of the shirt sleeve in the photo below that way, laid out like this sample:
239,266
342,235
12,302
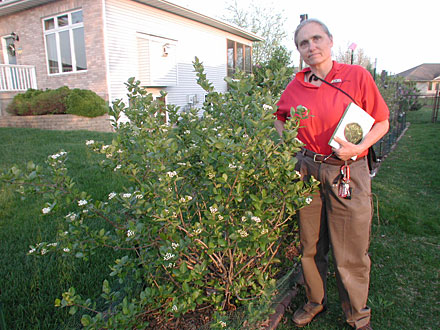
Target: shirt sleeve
373,101
284,105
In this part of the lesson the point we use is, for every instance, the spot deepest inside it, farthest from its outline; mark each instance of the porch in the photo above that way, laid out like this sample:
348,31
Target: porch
14,79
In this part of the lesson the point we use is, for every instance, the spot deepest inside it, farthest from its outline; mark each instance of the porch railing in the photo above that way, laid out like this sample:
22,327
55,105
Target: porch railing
16,78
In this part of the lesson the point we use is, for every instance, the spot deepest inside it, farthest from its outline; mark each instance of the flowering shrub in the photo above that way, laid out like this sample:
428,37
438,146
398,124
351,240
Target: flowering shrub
211,200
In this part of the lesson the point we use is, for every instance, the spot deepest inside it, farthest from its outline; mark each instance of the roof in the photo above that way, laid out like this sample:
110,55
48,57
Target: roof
12,6
422,72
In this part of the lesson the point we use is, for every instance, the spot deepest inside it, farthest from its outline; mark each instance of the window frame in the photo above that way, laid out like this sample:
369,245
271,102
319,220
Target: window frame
246,56
56,31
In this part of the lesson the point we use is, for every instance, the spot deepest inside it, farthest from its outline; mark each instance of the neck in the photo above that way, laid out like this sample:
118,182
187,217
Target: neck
322,69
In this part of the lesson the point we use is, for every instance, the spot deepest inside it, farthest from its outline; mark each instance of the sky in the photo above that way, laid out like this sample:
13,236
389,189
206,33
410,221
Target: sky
397,34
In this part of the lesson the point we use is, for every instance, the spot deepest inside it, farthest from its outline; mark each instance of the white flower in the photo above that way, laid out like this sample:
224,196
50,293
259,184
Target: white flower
32,250
46,210
182,200
256,219
82,202
117,167
168,256
308,200
43,251
66,250
188,198
172,174
89,142
232,166
105,147
223,324
130,233
139,196
243,233
71,216
264,231
220,217
213,209
187,132
52,244
174,308
198,231
55,156
204,129
174,245
298,173
267,107
119,151
111,195
243,219
171,265
245,136
126,195
181,164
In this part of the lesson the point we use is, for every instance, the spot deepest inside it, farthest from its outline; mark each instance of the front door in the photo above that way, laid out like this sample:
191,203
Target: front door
9,50
10,57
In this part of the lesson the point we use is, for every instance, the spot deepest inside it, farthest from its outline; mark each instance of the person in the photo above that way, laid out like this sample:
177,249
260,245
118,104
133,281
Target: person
334,218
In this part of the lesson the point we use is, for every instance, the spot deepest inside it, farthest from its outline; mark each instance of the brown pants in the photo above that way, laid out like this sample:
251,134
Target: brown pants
344,225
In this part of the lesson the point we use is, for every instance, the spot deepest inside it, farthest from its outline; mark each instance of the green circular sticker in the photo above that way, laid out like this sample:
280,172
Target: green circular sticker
353,133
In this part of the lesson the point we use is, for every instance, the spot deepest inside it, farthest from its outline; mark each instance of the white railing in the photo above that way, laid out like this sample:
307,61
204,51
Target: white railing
15,78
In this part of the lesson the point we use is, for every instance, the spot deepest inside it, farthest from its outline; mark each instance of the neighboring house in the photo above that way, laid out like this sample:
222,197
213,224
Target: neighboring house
426,76
99,44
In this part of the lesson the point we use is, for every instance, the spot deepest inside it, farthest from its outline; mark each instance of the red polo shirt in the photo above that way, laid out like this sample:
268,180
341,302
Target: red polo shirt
326,104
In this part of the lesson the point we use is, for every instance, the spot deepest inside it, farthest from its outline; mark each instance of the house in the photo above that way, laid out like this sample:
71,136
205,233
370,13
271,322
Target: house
99,44
426,76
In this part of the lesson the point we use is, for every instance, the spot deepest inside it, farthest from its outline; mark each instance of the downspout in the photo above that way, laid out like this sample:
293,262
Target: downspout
106,54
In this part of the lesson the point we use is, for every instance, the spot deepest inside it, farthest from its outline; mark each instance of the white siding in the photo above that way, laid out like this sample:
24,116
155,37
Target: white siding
127,19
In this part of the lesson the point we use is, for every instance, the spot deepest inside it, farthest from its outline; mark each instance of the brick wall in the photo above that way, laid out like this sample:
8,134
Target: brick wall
28,26
59,122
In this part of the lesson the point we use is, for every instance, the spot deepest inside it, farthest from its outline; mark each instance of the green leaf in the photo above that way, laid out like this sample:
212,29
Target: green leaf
86,320
105,287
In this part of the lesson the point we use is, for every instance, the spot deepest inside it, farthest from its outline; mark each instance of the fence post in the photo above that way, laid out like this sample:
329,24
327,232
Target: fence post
435,107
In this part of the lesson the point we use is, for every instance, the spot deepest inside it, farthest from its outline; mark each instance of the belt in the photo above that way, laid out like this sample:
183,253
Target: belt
327,159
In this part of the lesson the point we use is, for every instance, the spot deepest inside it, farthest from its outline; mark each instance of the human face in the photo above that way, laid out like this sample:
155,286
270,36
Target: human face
314,45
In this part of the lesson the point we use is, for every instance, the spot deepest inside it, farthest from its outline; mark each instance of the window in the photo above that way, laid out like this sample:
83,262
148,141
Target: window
239,56
65,43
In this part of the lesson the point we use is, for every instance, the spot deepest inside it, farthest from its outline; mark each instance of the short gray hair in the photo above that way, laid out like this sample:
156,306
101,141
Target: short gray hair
308,21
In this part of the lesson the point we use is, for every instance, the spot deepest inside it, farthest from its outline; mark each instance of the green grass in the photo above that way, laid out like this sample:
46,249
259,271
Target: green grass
405,244
405,247
29,285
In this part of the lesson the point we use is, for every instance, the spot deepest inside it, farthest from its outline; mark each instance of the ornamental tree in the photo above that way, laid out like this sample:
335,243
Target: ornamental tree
212,197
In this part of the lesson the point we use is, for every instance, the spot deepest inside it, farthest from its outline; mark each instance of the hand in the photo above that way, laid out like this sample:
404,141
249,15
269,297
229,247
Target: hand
346,149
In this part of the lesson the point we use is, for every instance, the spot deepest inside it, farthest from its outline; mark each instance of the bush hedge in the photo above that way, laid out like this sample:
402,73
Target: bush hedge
58,101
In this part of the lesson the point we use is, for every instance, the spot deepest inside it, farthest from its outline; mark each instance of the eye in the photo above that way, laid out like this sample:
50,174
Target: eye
303,44
317,38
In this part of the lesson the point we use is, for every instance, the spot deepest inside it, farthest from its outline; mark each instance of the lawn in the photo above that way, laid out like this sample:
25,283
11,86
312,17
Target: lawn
29,285
405,246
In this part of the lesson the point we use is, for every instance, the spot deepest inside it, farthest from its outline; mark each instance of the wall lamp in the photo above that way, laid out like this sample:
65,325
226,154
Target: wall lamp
15,36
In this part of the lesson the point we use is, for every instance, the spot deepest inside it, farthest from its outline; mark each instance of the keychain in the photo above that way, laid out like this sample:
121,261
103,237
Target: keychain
344,187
